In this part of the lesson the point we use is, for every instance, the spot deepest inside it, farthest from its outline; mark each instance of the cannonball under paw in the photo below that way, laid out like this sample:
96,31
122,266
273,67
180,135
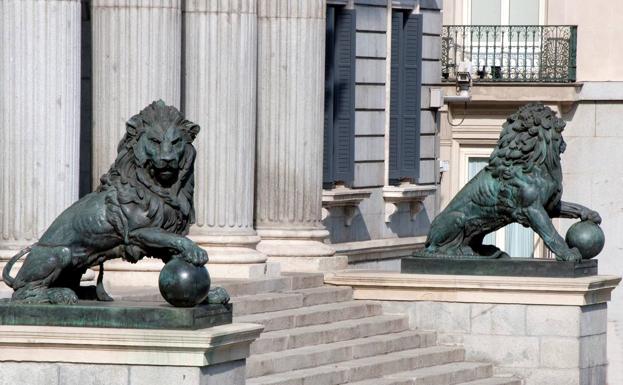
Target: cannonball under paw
183,284
587,237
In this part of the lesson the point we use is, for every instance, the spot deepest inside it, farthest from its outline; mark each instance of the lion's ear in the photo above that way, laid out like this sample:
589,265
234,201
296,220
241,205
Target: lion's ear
132,125
192,129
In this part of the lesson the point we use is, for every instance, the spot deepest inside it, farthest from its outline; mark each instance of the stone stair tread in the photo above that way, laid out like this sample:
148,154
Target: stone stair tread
326,333
325,294
446,374
315,355
494,381
265,302
363,368
312,315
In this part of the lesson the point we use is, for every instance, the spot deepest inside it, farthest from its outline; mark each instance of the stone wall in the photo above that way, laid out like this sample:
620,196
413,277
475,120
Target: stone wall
371,120
543,344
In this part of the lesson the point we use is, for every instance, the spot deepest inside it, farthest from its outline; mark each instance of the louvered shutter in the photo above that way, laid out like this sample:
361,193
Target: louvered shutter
327,158
405,100
339,128
344,98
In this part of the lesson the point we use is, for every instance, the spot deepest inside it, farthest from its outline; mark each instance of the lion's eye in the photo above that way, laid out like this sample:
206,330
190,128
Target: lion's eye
175,141
154,140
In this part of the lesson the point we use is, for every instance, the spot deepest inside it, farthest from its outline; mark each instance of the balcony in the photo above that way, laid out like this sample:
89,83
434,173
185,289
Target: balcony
511,53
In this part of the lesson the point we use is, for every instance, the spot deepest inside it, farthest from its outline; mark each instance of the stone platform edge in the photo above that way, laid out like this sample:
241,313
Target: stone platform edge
195,348
394,286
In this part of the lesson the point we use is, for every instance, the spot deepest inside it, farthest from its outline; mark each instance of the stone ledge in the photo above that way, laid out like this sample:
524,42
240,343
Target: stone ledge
127,346
379,285
409,193
345,198
379,249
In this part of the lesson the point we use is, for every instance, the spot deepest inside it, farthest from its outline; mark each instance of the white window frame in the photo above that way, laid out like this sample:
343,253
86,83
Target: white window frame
504,12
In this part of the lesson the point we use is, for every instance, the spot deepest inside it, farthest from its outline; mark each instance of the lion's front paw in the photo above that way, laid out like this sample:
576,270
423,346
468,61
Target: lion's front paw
218,295
194,254
62,295
570,255
591,215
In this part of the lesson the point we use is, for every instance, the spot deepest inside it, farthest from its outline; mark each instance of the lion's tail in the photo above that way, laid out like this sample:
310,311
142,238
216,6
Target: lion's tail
6,272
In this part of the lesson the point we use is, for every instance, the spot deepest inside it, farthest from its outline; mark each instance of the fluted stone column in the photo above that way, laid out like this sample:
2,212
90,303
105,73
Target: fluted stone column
220,95
39,116
136,60
291,44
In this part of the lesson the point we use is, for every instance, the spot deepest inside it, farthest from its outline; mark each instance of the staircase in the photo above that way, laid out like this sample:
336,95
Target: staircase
319,335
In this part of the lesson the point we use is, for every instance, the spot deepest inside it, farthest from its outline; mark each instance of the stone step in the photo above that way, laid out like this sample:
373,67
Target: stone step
317,355
265,302
313,315
271,302
448,374
494,381
286,282
325,294
323,334
364,368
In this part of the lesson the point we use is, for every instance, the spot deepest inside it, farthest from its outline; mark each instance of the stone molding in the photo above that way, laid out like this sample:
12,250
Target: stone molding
128,346
374,285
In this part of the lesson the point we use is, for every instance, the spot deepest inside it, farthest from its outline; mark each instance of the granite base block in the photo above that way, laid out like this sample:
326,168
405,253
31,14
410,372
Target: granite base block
516,267
116,314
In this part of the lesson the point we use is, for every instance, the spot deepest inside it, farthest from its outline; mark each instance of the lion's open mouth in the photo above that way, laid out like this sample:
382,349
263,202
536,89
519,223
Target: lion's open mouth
165,176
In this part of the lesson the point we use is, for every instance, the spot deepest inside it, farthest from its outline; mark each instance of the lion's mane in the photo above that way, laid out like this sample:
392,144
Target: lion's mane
131,183
526,142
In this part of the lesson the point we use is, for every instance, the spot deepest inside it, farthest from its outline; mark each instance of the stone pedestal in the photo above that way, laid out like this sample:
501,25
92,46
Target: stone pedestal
136,60
291,36
544,330
39,116
54,355
220,70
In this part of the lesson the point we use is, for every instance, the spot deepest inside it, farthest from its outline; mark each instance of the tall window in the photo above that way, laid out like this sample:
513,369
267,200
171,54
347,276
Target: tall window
339,103
405,103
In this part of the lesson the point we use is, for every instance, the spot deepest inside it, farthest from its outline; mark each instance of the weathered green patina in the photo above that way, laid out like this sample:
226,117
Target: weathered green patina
143,207
522,183
118,314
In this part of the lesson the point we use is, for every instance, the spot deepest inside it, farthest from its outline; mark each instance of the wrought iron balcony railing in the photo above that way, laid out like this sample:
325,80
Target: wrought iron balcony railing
510,53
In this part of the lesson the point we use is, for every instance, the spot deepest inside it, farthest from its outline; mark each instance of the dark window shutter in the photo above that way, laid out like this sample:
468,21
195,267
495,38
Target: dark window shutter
405,103
339,130
327,158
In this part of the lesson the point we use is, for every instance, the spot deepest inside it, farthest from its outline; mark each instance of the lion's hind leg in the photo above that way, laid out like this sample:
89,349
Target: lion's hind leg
40,270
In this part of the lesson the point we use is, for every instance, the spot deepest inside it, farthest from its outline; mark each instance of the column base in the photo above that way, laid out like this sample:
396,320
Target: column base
300,250
235,256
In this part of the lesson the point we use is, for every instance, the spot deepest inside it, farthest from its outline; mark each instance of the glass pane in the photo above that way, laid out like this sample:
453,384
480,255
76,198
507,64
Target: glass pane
474,165
519,241
524,12
486,12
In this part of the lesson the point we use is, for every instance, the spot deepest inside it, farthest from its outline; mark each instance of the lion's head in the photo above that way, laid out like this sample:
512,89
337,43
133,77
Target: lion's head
156,159
530,137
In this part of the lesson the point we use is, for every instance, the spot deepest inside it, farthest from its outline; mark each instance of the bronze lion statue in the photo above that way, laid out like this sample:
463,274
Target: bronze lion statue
143,207
522,183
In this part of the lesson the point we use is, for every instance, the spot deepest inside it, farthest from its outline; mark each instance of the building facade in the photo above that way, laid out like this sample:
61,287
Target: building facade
561,53
318,145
